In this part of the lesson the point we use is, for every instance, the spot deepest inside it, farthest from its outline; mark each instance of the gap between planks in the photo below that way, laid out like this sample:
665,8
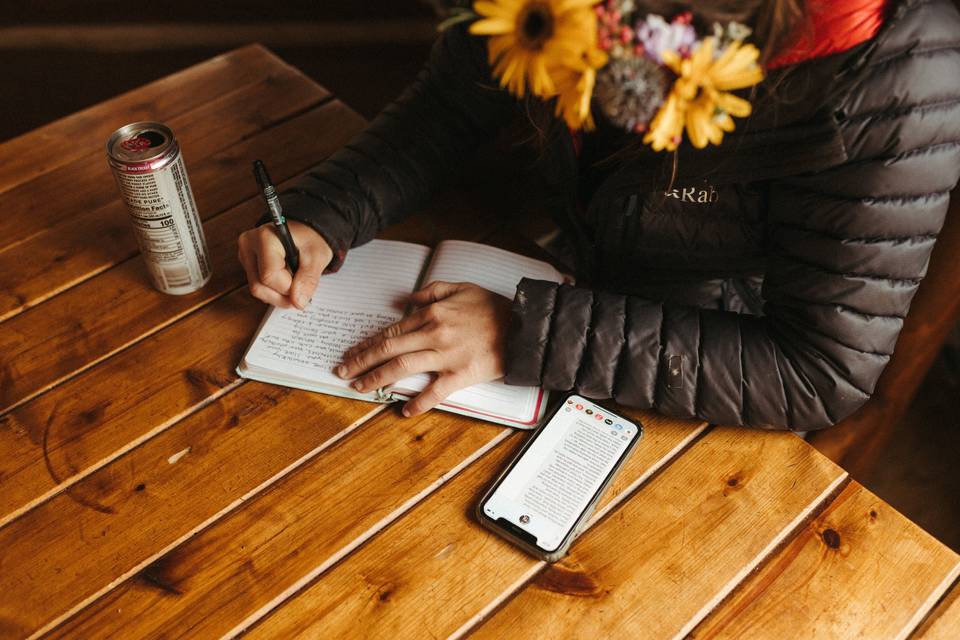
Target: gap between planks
306,580
786,535
293,466
74,479
939,594
258,53
481,616
68,482
123,347
92,273
778,542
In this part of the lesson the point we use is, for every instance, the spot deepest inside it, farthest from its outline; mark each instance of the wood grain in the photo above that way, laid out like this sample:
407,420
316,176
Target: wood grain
33,207
859,570
300,526
672,551
49,443
56,258
943,623
84,134
439,568
116,521
81,326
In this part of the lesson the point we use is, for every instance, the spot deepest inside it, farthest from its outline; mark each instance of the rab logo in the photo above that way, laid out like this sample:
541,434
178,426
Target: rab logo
692,194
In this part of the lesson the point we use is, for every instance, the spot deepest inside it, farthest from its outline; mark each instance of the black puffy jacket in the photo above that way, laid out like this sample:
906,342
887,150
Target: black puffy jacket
762,282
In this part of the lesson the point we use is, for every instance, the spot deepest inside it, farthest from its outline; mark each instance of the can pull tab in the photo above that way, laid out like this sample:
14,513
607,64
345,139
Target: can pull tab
674,372
143,141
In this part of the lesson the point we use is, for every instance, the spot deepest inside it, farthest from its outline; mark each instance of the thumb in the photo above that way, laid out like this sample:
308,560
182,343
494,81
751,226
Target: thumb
305,280
434,292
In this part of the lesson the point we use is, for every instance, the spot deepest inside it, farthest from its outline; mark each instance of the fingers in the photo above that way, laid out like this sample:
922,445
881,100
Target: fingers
306,279
436,291
398,368
271,263
382,351
406,325
248,259
315,256
435,393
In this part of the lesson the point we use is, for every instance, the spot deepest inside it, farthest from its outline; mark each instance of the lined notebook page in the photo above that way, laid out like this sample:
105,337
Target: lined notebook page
491,268
368,293
489,399
499,271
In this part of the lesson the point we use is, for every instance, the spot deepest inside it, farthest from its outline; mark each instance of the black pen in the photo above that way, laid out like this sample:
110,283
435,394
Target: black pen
276,212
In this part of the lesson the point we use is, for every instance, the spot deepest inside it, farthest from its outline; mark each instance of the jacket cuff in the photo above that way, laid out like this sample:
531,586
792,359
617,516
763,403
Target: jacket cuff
329,223
529,331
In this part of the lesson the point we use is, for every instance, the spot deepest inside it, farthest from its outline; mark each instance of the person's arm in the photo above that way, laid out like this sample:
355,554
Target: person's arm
848,248
384,173
416,143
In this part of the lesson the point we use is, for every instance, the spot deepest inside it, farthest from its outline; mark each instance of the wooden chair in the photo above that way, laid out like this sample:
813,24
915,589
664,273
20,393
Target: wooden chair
856,443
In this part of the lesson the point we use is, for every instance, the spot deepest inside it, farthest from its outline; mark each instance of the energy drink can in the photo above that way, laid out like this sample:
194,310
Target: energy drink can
147,163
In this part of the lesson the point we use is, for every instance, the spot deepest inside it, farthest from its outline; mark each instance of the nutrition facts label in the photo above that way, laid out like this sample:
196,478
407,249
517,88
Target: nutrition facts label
167,227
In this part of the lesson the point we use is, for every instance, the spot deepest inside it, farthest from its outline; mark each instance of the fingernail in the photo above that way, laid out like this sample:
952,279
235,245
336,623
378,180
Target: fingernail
358,385
406,412
341,370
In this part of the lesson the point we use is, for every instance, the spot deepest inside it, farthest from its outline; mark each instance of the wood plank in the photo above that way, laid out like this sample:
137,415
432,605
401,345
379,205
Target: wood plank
859,570
50,202
302,525
91,241
48,444
437,568
74,330
672,551
118,520
84,134
944,621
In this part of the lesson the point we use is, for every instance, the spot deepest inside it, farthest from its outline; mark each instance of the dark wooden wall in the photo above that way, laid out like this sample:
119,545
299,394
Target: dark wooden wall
58,56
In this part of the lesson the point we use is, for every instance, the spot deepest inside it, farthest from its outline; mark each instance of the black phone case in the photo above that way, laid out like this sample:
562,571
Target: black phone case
584,518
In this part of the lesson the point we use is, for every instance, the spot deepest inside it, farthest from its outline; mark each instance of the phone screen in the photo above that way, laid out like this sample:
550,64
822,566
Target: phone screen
550,485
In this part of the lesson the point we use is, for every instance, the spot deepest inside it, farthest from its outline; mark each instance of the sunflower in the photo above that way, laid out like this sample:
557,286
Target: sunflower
534,43
700,100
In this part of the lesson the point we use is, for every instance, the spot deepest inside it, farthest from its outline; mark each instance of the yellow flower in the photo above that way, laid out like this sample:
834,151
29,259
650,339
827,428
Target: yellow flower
575,88
533,42
700,100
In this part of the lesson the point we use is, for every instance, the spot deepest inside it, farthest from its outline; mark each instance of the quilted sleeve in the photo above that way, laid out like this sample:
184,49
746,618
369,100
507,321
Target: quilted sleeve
848,248
418,141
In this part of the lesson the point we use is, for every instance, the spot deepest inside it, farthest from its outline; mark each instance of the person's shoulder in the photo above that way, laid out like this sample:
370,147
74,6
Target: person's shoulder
918,28
905,91
916,54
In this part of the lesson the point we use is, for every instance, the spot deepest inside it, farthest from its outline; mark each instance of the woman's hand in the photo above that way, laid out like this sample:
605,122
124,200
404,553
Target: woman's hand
264,261
459,332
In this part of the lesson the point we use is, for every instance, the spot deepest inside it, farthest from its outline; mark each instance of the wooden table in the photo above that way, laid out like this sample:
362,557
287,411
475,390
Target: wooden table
146,491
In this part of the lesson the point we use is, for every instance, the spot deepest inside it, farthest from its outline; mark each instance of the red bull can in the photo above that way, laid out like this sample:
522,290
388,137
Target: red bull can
148,165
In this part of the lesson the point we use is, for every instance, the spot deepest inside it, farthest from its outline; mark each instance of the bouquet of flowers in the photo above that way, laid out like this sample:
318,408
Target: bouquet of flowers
646,74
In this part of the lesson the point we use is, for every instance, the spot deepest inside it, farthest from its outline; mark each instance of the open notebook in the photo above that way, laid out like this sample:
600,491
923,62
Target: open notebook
300,348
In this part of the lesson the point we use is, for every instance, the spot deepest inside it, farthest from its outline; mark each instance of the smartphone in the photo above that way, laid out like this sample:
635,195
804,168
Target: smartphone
546,495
